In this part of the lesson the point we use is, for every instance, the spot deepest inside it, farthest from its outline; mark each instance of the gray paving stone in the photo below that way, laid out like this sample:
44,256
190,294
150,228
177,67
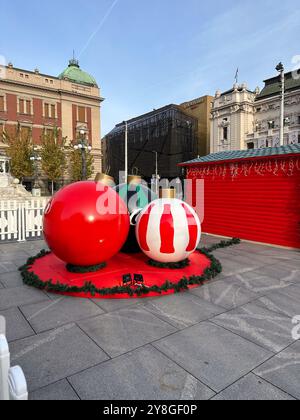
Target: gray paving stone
7,267
125,330
60,391
32,248
47,315
281,254
277,271
207,240
257,282
12,279
252,388
225,294
290,264
20,296
20,263
283,370
285,301
251,247
252,260
49,357
259,325
11,247
144,374
182,310
16,325
12,256
233,267
110,305
213,355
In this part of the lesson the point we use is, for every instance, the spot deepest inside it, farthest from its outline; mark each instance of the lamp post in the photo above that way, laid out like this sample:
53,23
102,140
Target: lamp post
83,146
35,159
156,171
126,150
280,69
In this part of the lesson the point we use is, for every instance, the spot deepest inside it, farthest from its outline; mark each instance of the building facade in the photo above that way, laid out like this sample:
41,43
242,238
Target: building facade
232,117
200,109
173,131
38,102
169,131
244,119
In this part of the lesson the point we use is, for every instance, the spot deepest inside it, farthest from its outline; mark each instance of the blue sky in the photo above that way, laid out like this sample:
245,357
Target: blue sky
149,53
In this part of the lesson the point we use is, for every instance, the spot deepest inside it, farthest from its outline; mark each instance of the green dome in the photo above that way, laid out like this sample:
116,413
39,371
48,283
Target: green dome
74,74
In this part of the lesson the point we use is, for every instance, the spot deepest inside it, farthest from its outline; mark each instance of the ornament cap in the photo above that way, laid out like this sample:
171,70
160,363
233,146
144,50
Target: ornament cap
134,179
167,193
105,179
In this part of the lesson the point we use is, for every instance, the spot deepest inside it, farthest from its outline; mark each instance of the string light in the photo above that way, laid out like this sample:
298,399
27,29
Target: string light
246,169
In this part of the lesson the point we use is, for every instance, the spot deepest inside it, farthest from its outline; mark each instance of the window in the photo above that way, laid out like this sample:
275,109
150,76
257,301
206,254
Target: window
81,114
250,146
21,106
47,113
25,132
2,104
53,113
299,138
28,107
25,106
49,132
225,133
271,125
50,111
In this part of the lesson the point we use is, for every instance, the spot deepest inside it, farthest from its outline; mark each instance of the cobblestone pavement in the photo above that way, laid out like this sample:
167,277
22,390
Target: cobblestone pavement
234,338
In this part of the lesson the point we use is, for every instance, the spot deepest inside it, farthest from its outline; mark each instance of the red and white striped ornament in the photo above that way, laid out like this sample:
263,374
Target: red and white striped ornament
168,230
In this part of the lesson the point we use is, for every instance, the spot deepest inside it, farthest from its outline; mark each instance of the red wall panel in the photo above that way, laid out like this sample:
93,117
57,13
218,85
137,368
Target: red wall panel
253,200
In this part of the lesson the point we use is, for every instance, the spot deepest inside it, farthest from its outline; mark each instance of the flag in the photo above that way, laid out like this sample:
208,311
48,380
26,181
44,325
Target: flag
237,75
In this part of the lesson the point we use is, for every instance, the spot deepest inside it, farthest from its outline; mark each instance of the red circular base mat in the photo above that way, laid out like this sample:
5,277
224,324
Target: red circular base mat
51,268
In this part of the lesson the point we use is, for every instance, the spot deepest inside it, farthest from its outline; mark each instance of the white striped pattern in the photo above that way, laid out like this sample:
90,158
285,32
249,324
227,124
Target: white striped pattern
181,230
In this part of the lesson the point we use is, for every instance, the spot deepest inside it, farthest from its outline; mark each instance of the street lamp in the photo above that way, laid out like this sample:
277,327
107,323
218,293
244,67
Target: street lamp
35,158
156,171
83,146
280,69
126,150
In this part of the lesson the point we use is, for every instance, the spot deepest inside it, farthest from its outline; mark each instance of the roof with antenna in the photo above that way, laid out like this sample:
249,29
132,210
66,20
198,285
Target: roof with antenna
73,73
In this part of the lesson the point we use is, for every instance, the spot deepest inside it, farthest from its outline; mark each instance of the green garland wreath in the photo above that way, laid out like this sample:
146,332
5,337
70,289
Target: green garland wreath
31,279
171,266
83,270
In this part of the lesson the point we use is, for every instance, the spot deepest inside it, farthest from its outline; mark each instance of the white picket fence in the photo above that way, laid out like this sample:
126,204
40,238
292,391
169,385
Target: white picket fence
21,220
13,384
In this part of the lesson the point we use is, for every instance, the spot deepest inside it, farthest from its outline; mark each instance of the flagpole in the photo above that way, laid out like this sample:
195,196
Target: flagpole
237,76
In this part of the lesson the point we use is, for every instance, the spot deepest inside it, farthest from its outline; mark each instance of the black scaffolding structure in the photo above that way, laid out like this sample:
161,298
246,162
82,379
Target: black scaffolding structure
168,131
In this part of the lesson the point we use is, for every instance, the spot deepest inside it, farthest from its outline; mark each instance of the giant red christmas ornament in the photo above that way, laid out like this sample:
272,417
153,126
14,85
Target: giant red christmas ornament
84,226
168,230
